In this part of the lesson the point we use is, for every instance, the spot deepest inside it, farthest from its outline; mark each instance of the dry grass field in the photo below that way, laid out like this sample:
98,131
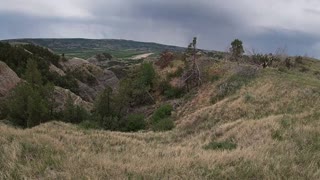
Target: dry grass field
266,128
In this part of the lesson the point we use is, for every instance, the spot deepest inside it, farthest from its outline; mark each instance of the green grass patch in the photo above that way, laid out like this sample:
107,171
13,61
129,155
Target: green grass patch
223,145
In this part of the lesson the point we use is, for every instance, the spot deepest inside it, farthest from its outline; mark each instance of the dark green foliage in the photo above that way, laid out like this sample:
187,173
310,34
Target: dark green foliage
103,104
105,111
162,112
37,109
139,84
223,145
161,120
68,81
29,106
33,75
73,113
165,124
147,74
16,57
236,49
18,105
170,92
111,123
43,53
135,122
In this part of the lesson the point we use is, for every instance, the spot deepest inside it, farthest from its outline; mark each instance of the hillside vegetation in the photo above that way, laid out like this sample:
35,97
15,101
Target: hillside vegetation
244,122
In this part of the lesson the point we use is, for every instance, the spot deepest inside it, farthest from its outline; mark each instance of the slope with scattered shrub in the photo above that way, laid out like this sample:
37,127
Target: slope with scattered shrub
250,123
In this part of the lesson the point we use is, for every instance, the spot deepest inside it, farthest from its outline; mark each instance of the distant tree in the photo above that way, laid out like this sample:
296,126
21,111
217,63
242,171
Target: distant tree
236,49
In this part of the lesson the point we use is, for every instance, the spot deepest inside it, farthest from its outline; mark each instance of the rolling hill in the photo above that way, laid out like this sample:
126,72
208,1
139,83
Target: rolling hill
85,48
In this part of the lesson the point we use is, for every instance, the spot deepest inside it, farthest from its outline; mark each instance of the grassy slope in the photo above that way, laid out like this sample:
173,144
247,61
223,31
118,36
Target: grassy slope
85,48
273,120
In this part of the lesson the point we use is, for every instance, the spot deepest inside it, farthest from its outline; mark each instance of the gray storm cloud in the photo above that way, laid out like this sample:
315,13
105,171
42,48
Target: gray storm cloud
262,25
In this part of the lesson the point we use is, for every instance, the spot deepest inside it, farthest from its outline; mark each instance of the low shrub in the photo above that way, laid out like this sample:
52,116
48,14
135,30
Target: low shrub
282,69
161,120
170,92
135,122
165,124
223,145
304,69
173,92
162,112
89,125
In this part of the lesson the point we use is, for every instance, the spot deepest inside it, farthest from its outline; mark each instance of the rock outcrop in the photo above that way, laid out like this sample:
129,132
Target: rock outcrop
55,69
61,95
92,79
8,79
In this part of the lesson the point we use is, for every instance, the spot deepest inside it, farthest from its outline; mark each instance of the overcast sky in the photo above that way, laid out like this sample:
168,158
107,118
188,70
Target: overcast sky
263,25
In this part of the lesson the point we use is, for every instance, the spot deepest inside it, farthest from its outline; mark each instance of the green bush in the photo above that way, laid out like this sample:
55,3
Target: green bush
173,92
223,145
165,124
161,120
162,112
135,122
170,92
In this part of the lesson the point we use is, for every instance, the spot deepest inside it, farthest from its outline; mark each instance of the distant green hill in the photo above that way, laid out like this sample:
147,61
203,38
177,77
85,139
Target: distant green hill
85,48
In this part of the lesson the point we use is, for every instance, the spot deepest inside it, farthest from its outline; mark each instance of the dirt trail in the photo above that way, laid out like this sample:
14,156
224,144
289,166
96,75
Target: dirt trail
141,56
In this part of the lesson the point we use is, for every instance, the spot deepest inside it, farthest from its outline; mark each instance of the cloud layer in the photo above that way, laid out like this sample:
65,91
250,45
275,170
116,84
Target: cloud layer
262,25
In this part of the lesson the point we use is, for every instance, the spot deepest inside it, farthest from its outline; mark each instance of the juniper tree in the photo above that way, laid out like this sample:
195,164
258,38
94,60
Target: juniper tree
236,49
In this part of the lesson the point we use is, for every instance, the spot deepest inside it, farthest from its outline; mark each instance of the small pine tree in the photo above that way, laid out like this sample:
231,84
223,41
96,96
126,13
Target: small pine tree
102,105
32,74
28,105
69,109
37,109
